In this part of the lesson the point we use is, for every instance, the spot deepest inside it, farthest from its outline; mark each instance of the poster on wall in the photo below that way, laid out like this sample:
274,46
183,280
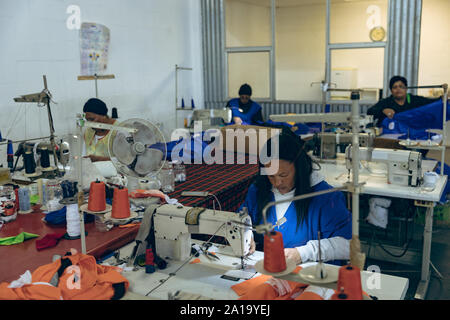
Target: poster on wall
94,47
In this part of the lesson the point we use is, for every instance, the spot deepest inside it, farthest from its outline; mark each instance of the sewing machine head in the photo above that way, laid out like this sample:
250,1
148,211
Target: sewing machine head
404,166
206,116
336,142
173,226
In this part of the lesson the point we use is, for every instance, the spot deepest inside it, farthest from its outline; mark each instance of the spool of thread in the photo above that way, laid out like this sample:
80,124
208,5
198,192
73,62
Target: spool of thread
274,258
430,179
45,158
97,197
16,194
120,204
73,221
24,200
10,154
30,165
114,114
9,210
349,284
69,188
40,188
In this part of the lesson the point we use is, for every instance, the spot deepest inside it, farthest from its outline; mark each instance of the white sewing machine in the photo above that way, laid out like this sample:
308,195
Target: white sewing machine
174,225
336,142
206,115
404,167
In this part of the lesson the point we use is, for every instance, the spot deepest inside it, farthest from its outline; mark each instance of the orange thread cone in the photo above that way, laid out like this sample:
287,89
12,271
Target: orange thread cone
349,284
121,204
274,259
97,197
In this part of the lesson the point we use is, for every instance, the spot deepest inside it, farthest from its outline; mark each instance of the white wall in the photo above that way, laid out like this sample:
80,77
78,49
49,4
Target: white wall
434,61
148,37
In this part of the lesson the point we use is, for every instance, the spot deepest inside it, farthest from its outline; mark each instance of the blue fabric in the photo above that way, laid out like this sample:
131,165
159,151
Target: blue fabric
188,151
59,217
335,219
246,117
417,120
426,117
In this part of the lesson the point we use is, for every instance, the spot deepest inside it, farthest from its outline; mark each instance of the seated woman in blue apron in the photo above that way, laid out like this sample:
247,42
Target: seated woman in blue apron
96,140
297,174
245,111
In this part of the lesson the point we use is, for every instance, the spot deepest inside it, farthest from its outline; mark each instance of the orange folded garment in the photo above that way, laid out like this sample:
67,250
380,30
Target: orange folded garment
140,193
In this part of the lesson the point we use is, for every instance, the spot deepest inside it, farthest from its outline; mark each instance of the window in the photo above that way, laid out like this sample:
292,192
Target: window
300,49
285,48
352,20
357,47
357,68
248,41
252,68
248,23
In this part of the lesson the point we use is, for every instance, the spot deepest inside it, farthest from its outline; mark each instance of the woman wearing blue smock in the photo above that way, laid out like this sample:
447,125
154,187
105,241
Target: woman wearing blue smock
297,174
244,110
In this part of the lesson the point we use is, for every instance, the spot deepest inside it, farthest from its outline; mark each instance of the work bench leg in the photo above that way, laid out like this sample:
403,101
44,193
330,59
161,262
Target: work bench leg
426,254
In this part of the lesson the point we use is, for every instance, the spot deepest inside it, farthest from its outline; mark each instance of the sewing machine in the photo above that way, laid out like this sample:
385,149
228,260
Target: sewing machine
336,142
206,115
404,167
174,225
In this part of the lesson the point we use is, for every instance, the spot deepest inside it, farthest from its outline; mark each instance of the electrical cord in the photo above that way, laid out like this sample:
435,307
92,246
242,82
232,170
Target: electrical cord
162,281
212,194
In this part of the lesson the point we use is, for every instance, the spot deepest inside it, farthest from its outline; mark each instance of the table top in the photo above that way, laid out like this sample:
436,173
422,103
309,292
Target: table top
205,279
24,256
336,175
228,182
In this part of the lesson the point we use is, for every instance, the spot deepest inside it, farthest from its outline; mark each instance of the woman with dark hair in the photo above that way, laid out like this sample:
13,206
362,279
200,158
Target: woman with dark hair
297,174
96,140
399,101
244,110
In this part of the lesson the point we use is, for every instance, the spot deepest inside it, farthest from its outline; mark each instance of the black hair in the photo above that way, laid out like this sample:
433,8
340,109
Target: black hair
245,89
96,106
291,148
394,79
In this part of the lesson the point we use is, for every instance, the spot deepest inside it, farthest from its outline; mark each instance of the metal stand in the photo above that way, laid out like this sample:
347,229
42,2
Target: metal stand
44,97
96,77
176,92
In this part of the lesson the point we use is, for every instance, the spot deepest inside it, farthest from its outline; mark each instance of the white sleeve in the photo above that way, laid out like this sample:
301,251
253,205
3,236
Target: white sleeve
336,248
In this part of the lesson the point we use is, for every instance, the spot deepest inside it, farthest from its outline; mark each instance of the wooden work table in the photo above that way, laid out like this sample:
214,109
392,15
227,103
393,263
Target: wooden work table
18,258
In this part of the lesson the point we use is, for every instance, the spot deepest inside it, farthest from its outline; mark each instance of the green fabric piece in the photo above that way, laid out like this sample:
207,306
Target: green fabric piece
34,199
21,237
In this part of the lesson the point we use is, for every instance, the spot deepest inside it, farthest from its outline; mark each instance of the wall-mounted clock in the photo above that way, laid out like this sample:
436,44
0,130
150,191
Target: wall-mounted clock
377,34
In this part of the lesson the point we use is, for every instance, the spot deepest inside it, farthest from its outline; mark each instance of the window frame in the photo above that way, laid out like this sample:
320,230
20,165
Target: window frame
271,50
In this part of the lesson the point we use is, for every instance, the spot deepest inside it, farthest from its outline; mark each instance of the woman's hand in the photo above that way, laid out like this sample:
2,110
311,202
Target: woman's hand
252,247
237,120
388,112
292,254
97,158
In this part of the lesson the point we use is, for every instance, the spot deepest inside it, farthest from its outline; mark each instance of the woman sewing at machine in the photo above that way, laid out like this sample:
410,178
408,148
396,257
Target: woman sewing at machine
96,140
297,174
245,111
399,101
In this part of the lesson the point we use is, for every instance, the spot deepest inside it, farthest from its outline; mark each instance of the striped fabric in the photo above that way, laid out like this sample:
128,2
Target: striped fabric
228,182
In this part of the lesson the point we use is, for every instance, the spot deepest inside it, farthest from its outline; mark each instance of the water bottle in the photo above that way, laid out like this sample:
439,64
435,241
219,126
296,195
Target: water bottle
167,178
179,171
